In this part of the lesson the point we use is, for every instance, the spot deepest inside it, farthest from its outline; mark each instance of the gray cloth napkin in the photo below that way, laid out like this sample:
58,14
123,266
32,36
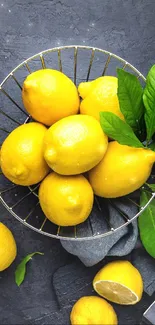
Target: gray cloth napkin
119,243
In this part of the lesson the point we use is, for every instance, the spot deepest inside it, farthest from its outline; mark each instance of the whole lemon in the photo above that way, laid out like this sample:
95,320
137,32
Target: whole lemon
122,170
93,310
49,95
8,248
66,200
100,95
22,160
119,282
74,144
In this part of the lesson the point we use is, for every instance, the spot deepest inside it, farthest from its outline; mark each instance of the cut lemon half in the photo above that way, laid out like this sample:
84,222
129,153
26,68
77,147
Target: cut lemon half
119,282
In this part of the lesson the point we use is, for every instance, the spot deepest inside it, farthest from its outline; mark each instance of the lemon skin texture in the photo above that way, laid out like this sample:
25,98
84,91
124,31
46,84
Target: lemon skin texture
49,95
74,145
66,200
122,170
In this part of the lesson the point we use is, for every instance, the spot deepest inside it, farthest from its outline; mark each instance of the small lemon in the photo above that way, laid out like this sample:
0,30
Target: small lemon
100,95
119,282
123,170
21,158
8,248
49,95
74,144
93,311
66,200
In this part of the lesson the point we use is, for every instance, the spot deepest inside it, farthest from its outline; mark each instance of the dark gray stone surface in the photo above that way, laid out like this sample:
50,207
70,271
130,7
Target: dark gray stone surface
74,281
27,27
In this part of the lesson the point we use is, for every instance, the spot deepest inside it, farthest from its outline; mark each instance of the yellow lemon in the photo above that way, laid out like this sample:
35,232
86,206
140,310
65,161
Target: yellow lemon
74,145
66,200
122,170
100,95
8,248
93,311
49,95
119,282
22,160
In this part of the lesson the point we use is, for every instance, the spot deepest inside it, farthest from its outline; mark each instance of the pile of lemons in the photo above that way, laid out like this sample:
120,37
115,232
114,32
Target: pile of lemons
66,149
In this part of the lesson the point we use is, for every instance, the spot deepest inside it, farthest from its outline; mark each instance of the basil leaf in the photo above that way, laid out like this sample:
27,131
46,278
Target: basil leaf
118,130
21,268
146,222
149,103
130,95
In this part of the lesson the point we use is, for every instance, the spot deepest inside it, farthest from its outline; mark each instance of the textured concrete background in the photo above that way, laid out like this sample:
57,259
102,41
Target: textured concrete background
125,27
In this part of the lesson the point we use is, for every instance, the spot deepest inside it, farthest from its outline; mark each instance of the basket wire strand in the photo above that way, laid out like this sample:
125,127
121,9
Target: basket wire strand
71,233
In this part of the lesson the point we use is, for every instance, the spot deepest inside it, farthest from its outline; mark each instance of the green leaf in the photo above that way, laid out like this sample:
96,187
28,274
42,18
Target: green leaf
142,133
146,222
21,268
152,146
149,103
151,186
118,130
130,95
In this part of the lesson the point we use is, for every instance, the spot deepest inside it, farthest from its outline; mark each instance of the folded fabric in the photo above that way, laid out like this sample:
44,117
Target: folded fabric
119,243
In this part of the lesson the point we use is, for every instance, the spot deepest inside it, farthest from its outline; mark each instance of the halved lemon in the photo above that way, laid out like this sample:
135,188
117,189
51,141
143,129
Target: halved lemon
119,282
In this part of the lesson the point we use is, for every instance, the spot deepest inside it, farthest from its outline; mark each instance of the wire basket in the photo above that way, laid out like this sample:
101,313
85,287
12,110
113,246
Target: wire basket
80,63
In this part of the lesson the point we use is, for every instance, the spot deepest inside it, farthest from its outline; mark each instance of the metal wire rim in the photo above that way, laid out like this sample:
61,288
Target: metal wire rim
32,190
